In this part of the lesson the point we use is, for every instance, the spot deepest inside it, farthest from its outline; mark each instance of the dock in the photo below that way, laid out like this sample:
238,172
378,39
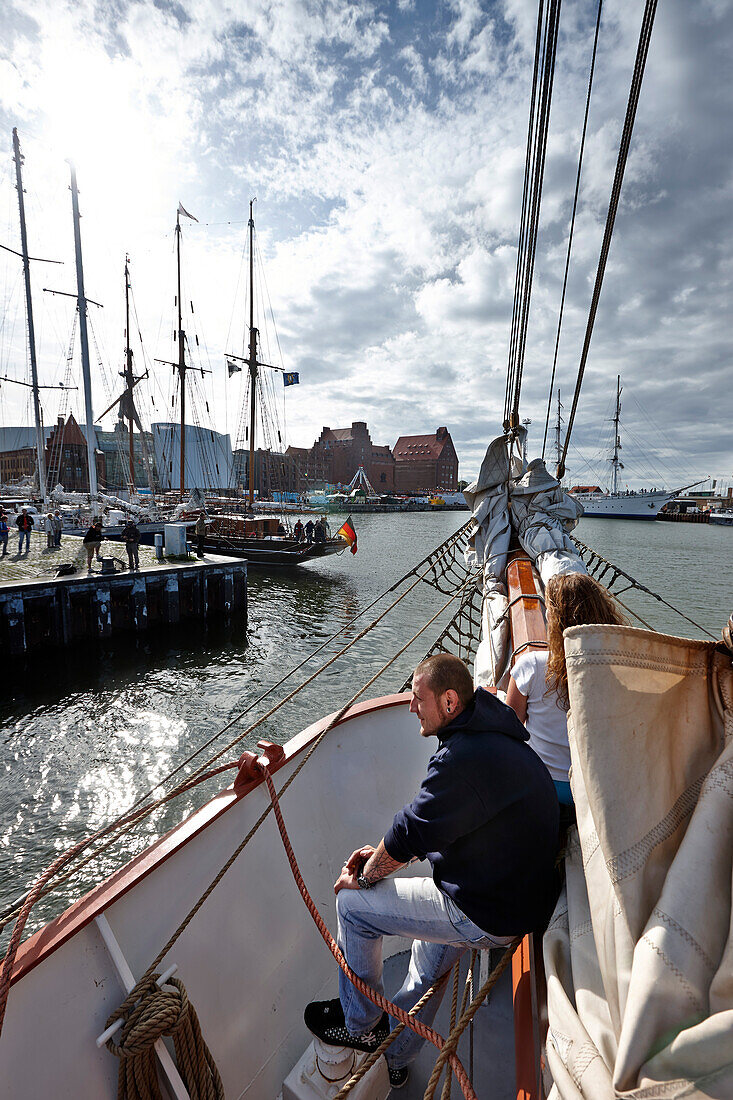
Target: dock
46,611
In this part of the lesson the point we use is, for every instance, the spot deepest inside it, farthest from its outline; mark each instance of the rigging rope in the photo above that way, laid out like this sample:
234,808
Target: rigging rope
539,118
598,567
572,224
623,152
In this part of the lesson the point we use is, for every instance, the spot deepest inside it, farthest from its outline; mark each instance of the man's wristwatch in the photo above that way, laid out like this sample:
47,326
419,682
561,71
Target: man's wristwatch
363,882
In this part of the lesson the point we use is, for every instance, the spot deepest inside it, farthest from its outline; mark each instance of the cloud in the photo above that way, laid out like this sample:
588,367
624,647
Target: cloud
385,145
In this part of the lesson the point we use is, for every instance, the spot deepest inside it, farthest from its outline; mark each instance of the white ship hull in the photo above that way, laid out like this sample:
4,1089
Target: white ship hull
252,958
623,506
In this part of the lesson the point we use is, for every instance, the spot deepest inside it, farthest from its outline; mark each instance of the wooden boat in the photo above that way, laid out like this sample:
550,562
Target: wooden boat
263,540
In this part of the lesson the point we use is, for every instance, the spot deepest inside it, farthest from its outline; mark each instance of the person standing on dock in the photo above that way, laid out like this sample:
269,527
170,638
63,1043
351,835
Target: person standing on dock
298,531
48,526
200,535
3,533
57,527
92,542
309,531
131,539
24,523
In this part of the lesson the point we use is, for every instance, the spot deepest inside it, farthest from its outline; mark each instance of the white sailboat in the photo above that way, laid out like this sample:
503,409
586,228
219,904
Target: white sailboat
631,504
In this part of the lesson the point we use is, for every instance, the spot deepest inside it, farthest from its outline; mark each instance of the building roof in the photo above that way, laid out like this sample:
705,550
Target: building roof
381,452
417,448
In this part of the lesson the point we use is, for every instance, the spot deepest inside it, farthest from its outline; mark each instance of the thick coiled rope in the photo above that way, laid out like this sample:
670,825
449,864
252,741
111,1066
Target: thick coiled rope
150,1013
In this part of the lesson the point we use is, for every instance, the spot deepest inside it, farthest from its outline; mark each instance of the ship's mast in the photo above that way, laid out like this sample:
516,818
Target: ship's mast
40,448
129,380
252,361
616,439
558,430
181,357
84,341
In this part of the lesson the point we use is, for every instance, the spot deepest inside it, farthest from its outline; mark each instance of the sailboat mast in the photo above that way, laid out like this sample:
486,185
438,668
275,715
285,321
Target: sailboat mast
129,380
84,341
181,357
40,449
252,362
558,428
616,439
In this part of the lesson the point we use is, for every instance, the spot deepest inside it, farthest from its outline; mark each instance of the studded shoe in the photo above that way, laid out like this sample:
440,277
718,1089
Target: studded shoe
398,1076
325,1020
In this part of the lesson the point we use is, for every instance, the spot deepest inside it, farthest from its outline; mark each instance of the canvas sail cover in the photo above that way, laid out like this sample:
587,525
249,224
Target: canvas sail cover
639,954
488,499
509,494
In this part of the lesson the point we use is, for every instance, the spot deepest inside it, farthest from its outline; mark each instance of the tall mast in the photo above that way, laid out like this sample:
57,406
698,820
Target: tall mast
129,380
40,448
616,439
558,428
181,357
252,361
84,340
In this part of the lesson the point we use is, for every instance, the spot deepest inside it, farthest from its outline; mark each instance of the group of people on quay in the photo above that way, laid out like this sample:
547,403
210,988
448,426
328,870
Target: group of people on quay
25,522
490,817
130,536
311,532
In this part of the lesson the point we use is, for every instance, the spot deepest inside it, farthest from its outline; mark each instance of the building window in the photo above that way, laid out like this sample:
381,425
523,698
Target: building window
383,478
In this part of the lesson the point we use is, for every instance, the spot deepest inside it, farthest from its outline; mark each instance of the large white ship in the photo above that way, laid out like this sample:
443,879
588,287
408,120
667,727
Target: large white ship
631,504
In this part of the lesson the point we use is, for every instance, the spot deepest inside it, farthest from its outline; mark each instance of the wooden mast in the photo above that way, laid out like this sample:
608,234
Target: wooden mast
129,380
40,447
84,341
252,362
181,357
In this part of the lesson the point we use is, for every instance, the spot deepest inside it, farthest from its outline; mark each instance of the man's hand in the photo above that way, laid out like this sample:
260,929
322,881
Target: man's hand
352,869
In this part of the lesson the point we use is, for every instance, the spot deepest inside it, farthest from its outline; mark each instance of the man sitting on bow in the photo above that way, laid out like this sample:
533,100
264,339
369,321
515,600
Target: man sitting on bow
486,818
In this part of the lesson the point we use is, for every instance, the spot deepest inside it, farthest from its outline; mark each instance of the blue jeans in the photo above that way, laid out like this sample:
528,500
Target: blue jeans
24,535
411,907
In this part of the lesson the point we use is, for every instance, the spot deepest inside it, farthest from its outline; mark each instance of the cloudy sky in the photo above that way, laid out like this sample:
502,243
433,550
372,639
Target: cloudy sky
384,143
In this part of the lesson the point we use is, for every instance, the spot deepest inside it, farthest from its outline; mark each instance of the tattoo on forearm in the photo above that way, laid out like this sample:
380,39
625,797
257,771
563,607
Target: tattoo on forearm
379,865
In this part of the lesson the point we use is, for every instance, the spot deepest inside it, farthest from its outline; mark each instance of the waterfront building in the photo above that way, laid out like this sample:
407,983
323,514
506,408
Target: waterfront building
425,463
115,446
209,457
66,457
343,450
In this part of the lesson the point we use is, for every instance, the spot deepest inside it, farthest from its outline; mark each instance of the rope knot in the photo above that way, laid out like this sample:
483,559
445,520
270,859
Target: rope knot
149,1012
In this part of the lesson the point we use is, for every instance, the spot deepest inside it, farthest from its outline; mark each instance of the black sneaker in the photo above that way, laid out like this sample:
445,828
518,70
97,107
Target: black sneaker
398,1077
325,1020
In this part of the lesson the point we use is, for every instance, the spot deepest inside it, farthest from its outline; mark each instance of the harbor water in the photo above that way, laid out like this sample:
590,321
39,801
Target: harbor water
86,733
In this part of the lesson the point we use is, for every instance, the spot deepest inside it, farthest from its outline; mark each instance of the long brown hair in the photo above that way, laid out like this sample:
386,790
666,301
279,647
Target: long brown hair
573,599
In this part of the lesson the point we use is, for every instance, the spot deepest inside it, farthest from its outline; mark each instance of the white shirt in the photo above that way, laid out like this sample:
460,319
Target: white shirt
546,721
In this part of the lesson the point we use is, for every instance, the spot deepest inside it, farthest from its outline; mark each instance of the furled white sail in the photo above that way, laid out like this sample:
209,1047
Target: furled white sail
639,954
509,494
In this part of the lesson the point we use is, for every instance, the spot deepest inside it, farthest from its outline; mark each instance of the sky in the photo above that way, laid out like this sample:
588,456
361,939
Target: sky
384,144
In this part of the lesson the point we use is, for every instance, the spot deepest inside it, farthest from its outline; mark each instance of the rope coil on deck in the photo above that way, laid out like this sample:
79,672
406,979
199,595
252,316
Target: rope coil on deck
150,1013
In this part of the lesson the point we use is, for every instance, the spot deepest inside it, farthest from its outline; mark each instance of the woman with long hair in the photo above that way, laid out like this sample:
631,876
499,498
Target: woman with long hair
538,685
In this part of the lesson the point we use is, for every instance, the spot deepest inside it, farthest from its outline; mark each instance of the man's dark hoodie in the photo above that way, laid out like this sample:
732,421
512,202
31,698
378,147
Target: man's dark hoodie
486,816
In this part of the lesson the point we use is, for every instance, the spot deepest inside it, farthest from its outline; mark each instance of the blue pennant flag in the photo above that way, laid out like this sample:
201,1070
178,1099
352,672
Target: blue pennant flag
292,379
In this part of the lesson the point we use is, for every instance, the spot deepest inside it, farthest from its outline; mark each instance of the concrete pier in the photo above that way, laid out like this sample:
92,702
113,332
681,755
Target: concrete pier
36,614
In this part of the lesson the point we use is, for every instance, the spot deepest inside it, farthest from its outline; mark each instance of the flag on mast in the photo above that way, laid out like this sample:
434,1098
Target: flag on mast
182,210
233,367
291,378
346,531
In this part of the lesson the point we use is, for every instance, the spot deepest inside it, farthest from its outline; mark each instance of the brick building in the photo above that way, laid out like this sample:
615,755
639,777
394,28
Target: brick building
15,465
66,457
426,463
343,450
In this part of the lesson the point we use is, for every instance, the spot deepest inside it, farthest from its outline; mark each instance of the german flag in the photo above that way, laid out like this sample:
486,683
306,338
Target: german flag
347,532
